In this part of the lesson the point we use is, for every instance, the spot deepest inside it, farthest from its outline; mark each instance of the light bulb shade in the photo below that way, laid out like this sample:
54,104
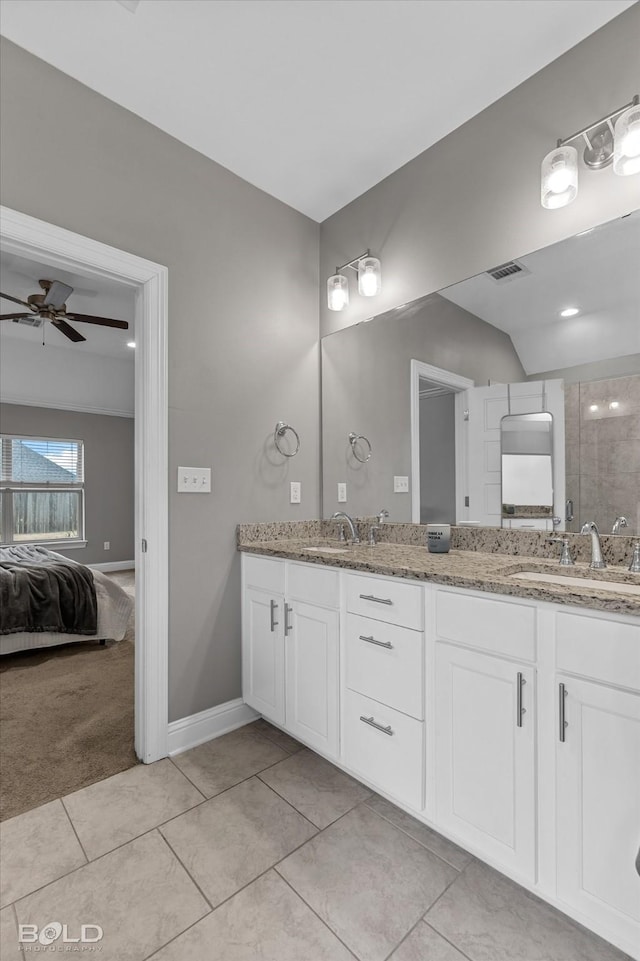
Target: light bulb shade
626,142
369,277
559,177
337,292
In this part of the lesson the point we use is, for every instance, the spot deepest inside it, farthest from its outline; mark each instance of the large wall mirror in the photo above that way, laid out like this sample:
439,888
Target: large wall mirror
435,386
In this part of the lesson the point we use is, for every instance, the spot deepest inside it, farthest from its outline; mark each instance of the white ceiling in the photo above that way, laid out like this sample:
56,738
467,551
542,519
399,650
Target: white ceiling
95,295
314,101
596,271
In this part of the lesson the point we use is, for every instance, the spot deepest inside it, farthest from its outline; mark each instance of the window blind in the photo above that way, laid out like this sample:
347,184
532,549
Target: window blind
41,462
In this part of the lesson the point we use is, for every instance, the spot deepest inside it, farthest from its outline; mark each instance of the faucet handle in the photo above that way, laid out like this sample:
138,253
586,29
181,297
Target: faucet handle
566,559
634,566
382,515
372,535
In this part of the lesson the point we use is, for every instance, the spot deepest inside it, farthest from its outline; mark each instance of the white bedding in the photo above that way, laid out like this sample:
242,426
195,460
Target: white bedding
114,606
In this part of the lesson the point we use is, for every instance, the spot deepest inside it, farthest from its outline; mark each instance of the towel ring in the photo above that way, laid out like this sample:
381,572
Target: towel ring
354,440
280,431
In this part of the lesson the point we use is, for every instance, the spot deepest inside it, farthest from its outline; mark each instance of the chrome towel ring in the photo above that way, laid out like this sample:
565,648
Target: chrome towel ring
354,440
280,431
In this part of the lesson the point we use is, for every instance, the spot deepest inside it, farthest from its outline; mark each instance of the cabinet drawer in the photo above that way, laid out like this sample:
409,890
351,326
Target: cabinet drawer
390,761
384,662
608,651
497,626
385,599
265,573
316,585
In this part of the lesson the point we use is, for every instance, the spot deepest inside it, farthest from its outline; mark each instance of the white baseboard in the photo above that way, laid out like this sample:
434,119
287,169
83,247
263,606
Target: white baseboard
190,731
113,566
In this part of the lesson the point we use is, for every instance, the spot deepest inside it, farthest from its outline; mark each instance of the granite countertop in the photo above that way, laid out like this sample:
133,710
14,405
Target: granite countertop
459,568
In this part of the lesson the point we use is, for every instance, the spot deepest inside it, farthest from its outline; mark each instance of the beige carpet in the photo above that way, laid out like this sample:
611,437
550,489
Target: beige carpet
66,717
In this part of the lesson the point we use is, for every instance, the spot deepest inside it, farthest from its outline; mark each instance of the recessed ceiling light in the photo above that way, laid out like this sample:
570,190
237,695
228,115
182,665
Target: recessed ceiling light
593,407
131,343
614,405
569,312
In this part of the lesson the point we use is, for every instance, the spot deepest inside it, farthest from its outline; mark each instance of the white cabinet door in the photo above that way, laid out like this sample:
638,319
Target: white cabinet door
598,805
311,654
263,653
485,761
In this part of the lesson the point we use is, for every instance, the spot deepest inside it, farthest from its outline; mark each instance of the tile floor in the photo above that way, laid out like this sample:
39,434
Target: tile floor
251,848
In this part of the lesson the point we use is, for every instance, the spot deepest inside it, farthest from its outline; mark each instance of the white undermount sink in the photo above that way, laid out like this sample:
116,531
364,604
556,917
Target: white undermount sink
620,587
325,550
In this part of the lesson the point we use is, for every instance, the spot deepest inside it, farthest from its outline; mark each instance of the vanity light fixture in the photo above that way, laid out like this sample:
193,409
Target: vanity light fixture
570,312
612,139
369,281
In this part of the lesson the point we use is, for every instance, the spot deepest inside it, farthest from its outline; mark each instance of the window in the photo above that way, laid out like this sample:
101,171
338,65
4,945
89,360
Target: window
41,490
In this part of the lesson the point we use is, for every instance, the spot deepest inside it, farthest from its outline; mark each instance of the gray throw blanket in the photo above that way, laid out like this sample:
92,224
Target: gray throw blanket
56,597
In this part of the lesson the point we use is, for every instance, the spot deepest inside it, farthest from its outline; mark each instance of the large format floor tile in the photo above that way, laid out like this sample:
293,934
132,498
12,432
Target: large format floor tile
264,922
492,919
367,880
219,764
110,813
36,847
140,895
9,947
318,789
281,738
231,839
425,944
445,849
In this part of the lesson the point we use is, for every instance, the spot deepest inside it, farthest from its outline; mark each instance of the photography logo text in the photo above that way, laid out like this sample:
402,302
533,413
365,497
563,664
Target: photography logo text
55,936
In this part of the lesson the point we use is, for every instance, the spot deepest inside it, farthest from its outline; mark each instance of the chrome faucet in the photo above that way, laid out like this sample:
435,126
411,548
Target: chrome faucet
619,522
566,559
597,563
340,515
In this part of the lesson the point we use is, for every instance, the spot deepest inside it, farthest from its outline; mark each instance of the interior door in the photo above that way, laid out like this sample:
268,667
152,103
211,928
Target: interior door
263,653
485,407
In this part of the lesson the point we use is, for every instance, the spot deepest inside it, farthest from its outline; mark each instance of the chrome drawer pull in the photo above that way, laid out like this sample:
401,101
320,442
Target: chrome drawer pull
520,710
288,627
563,723
372,640
274,623
378,727
378,600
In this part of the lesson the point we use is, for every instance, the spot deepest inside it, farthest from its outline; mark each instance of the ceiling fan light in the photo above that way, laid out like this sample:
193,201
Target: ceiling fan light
337,292
626,142
369,277
559,178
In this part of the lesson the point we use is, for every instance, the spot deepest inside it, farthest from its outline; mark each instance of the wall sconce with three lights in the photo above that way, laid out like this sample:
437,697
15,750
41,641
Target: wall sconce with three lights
369,281
615,139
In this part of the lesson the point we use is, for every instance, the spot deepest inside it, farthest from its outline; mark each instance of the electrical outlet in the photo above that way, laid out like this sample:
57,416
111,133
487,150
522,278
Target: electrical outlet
400,485
194,480
342,493
107,545
296,492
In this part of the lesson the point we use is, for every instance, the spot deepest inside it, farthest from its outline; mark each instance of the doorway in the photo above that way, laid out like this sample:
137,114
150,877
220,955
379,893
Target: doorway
33,239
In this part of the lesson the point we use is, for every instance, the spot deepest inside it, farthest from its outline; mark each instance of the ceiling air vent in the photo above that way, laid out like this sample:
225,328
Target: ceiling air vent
33,321
507,272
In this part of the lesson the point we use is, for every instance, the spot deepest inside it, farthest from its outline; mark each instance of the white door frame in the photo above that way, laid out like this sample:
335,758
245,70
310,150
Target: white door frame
35,239
458,384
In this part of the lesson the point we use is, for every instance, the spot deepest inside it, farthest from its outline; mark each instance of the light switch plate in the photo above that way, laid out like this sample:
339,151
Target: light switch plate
296,492
342,493
400,485
194,480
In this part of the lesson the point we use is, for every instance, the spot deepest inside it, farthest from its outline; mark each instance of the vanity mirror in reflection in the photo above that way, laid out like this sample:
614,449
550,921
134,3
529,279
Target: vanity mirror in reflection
526,463
556,331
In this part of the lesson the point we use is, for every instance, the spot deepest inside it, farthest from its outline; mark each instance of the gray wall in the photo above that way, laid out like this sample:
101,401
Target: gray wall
437,460
473,200
108,464
365,388
598,370
243,332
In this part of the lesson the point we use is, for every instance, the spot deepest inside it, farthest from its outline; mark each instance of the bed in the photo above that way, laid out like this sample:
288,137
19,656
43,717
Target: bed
114,606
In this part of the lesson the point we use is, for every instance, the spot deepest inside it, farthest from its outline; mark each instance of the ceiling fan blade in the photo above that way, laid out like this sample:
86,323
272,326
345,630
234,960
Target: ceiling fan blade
13,316
67,330
57,294
102,321
16,301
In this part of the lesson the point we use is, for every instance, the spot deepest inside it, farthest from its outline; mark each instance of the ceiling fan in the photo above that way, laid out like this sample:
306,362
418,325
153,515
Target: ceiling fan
52,305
